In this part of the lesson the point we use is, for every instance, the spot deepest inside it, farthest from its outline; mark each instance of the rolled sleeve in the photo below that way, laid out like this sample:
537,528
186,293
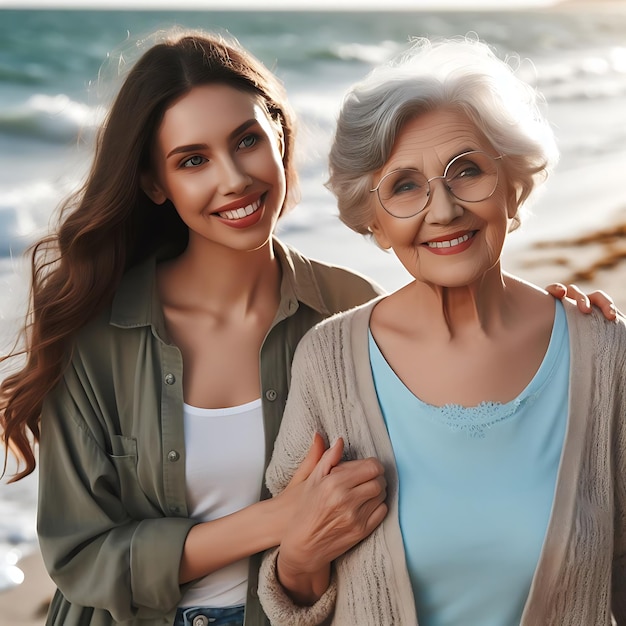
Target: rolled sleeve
155,554
105,544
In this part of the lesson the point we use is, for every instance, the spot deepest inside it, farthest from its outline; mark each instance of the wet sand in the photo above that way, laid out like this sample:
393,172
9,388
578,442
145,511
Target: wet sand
596,260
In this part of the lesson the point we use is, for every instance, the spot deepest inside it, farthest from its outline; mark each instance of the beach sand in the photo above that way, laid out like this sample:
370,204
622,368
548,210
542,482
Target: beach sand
27,604
596,260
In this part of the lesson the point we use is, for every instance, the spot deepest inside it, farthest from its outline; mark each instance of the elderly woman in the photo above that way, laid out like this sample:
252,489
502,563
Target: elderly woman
498,413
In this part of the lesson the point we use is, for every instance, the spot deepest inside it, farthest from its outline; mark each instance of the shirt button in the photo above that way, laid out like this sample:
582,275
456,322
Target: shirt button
200,620
271,395
173,456
170,379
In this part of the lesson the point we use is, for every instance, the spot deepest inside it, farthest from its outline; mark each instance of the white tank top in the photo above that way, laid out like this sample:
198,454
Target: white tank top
225,455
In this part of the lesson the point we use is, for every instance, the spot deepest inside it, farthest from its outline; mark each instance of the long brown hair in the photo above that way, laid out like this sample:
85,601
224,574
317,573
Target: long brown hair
110,224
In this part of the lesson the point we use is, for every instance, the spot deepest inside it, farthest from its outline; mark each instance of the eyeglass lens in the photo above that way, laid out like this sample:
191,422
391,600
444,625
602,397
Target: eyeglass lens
469,177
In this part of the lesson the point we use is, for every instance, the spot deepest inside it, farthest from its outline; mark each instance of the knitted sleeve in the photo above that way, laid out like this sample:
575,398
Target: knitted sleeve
303,414
301,420
618,594
368,586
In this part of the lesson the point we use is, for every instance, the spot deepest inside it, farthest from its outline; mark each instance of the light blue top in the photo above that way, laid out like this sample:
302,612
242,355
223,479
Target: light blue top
476,489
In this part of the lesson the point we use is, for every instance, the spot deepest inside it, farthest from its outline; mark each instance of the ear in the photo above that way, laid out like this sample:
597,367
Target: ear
512,203
280,138
379,235
152,189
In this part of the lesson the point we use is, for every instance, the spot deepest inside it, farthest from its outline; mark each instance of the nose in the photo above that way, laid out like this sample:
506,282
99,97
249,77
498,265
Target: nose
442,207
233,178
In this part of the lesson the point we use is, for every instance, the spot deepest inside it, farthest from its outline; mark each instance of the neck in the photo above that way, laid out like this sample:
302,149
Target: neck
482,307
222,278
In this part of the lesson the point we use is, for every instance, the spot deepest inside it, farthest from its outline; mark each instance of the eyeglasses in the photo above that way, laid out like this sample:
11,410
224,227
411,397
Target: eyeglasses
469,177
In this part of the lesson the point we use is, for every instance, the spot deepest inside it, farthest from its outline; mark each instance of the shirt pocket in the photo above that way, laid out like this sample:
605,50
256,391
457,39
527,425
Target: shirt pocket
124,457
123,450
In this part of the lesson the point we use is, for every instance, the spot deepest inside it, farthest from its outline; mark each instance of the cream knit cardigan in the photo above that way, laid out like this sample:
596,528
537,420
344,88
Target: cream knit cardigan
581,573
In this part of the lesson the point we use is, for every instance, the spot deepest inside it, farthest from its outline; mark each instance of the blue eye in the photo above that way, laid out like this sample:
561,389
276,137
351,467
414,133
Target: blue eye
194,161
464,169
248,141
405,182
405,187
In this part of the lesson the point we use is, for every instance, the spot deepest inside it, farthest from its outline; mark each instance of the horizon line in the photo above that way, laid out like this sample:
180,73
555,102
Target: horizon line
282,5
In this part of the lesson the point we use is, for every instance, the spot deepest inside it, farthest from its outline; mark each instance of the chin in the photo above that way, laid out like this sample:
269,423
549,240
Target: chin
452,279
465,272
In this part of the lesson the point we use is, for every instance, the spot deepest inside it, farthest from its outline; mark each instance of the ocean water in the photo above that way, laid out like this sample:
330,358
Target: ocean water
51,101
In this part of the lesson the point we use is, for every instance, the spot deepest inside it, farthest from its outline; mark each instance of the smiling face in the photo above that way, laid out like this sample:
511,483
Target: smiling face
451,243
217,158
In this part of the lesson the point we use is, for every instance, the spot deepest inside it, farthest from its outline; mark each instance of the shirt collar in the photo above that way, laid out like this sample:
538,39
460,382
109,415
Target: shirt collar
299,283
136,301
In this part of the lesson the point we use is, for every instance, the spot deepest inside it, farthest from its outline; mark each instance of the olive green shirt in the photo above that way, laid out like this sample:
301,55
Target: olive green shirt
112,515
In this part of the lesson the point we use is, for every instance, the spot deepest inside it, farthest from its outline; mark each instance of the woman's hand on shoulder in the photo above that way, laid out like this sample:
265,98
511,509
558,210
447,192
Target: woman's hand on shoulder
585,301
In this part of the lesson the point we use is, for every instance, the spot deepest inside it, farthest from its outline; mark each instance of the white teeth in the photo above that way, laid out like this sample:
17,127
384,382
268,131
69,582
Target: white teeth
236,214
448,244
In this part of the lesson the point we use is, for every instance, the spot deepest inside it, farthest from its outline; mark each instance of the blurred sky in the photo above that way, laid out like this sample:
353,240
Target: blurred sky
277,4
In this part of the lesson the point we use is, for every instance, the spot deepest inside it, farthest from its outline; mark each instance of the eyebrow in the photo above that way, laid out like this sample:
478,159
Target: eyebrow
454,156
460,152
194,147
463,152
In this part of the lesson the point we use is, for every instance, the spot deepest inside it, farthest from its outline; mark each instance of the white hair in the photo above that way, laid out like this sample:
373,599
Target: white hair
452,73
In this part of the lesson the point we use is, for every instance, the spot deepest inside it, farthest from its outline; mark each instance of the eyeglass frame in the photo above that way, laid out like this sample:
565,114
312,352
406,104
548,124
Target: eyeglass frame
429,180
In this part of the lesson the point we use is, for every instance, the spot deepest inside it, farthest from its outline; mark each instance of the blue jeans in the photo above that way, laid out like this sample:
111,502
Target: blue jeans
198,616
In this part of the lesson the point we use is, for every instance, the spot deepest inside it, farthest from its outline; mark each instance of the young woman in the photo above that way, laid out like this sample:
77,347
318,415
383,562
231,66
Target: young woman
164,319
498,413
